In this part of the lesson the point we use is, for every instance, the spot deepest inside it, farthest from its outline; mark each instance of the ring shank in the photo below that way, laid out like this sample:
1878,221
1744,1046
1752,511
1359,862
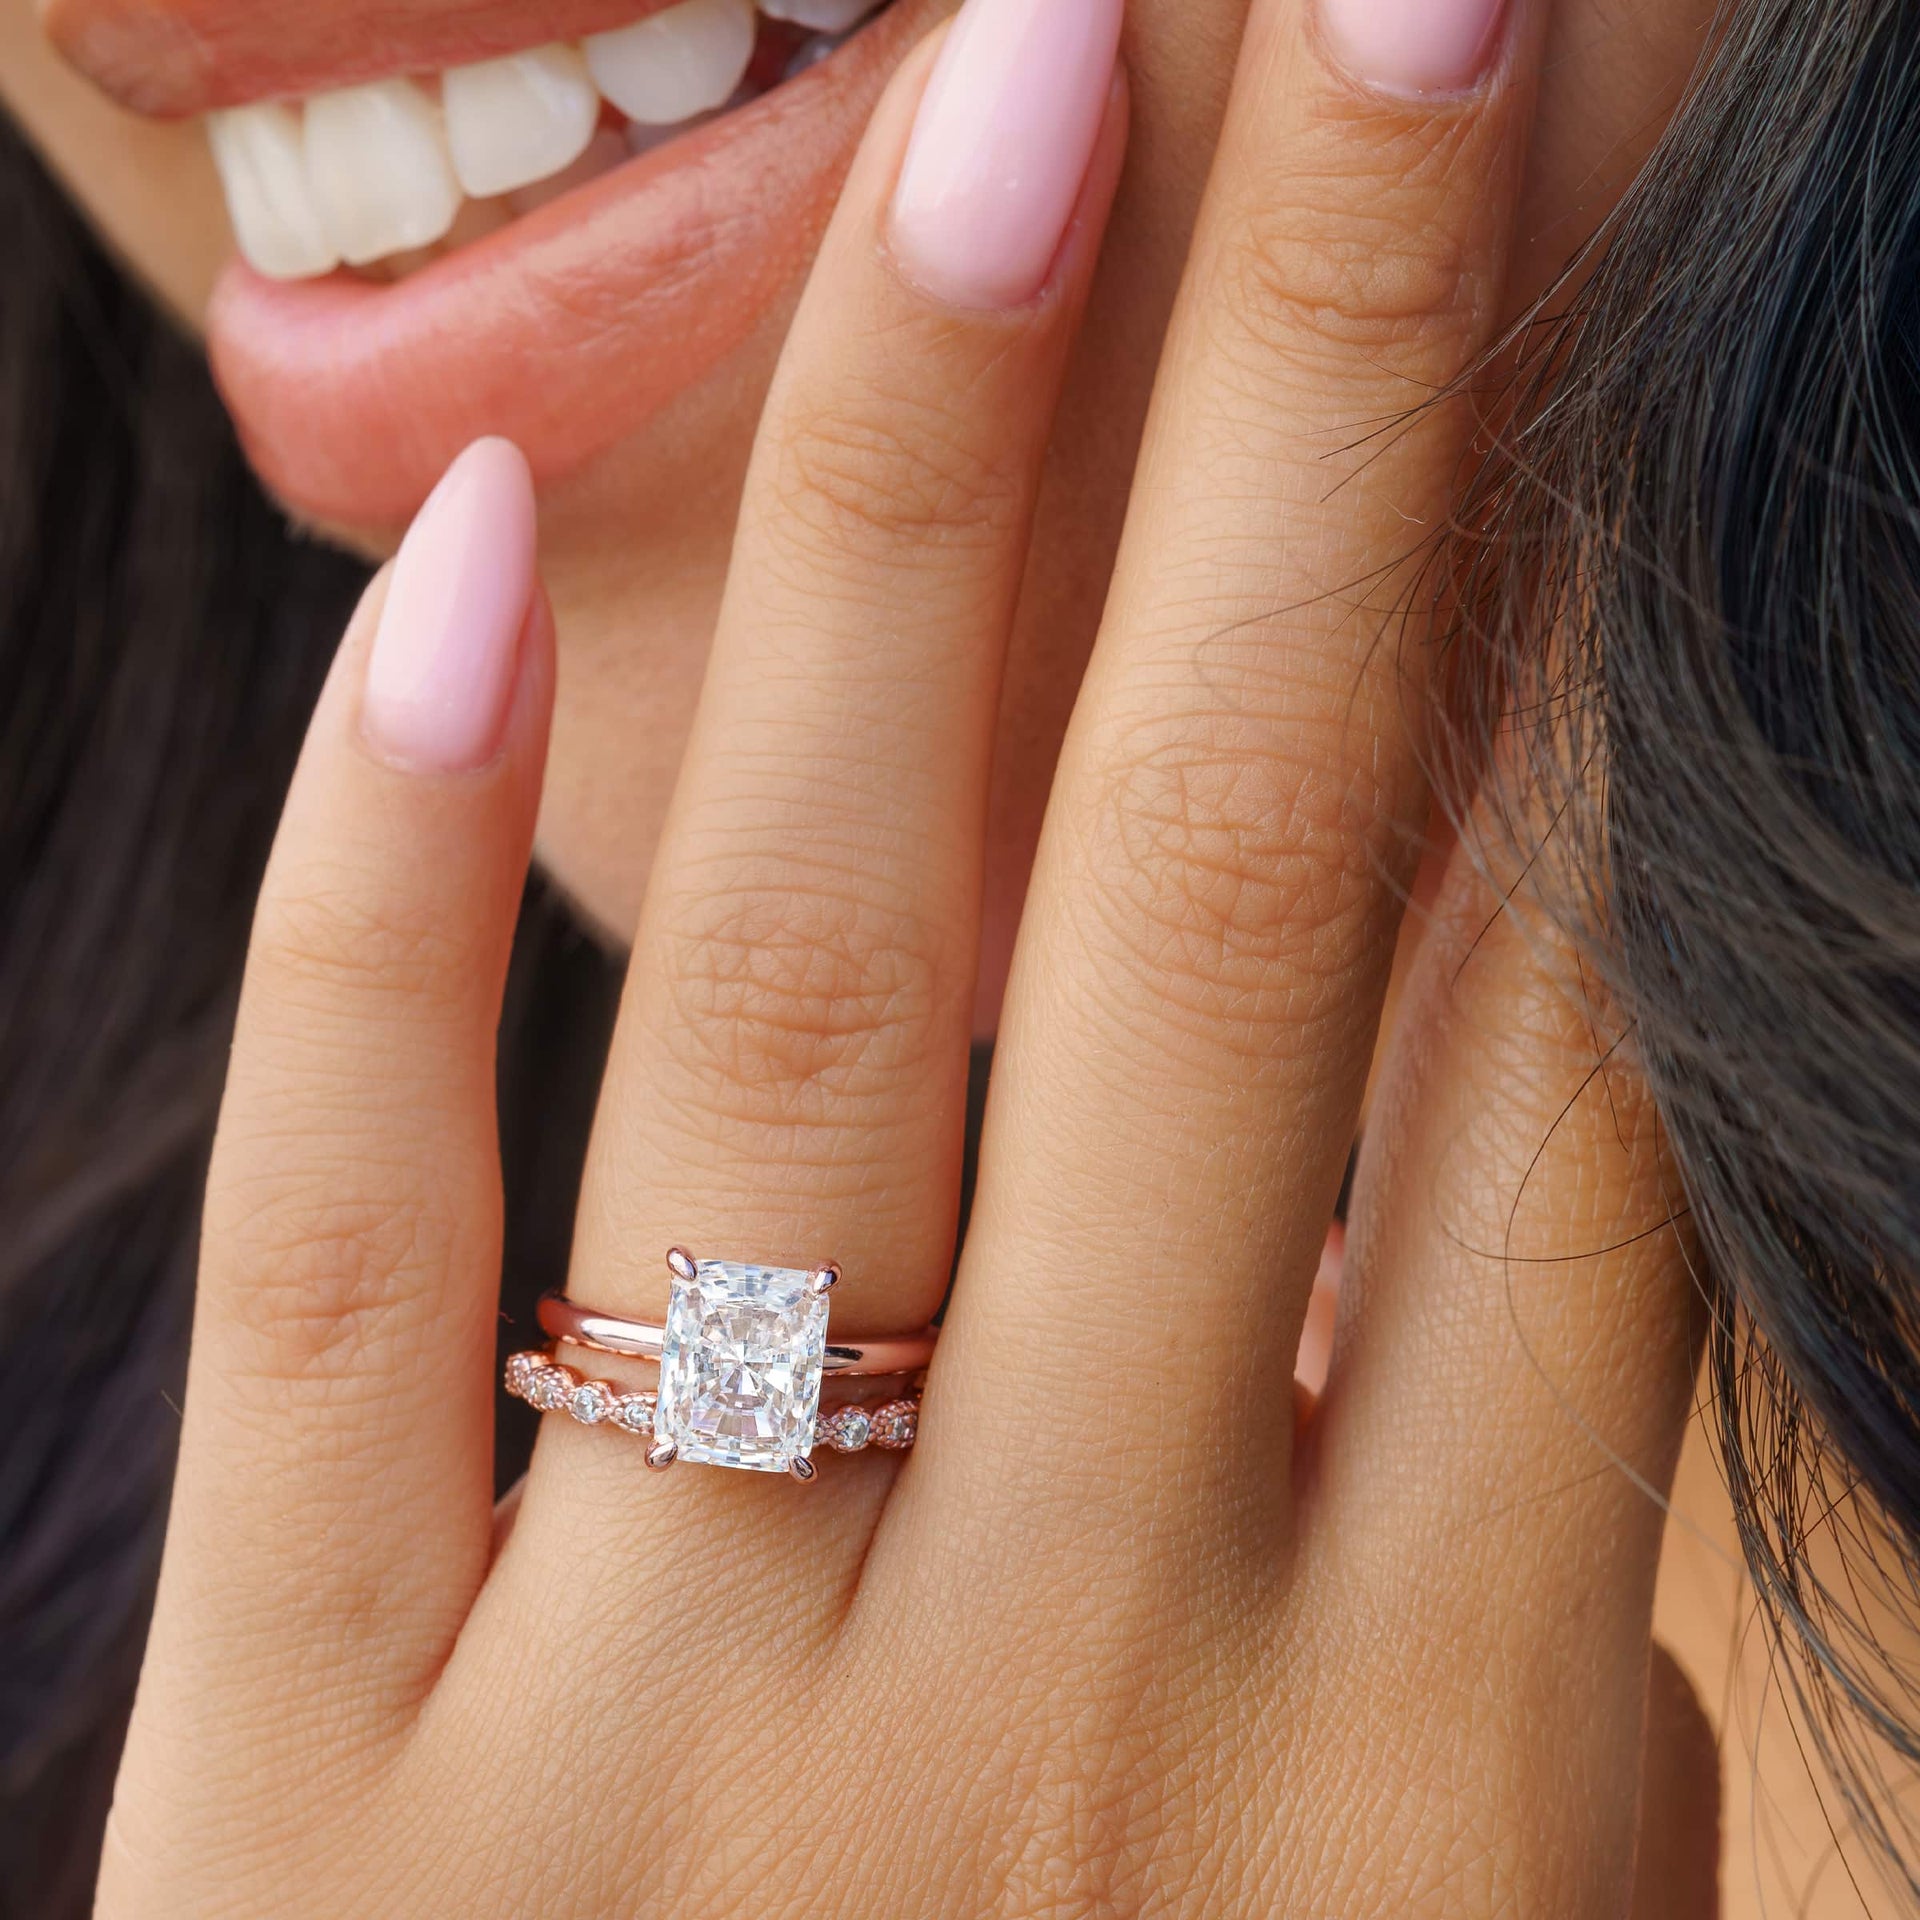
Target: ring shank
581,1326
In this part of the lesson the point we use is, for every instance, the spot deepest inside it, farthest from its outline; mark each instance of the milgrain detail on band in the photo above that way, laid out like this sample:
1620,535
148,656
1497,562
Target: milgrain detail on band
550,1387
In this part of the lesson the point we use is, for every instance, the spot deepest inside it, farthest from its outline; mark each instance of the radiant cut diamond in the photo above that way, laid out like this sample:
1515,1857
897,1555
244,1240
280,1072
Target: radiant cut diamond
740,1366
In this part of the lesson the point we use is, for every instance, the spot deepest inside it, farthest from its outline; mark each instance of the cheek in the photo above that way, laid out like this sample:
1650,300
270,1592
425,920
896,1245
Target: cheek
148,186
634,552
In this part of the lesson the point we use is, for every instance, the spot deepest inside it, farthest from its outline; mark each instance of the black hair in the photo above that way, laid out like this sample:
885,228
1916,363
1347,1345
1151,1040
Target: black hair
163,635
1696,562
1695,568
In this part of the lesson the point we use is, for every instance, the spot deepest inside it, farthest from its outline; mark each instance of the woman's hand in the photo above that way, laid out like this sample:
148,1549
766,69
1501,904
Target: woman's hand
1117,1637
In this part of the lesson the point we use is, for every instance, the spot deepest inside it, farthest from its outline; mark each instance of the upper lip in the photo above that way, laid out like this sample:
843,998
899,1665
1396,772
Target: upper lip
174,57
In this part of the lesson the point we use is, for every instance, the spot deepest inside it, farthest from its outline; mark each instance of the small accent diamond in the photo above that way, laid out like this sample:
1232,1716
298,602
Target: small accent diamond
551,1388
634,1411
896,1425
848,1430
591,1402
521,1370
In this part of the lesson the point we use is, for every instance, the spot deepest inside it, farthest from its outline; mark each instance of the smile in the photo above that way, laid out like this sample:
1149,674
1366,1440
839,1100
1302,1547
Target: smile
452,222
392,171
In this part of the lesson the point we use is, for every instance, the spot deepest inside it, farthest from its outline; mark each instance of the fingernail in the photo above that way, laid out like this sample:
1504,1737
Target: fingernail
1000,147
1413,46
446,654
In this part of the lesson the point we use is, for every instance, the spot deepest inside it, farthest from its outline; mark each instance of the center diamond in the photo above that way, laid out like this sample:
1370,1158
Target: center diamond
740,1366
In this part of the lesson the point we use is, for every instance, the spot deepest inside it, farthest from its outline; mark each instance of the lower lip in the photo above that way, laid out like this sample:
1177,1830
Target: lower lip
566,331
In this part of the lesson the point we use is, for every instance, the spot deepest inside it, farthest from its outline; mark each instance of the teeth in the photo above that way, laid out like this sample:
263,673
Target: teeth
514,121
822,16
380,169
381,172
602,154
264,170
673,65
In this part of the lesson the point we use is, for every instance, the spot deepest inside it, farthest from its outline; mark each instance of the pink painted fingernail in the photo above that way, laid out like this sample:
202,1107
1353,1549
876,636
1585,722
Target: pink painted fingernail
1413,46
1000,147
445,658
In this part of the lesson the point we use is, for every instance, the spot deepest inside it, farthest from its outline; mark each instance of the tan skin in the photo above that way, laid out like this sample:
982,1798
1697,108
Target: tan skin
643,534
1394,1664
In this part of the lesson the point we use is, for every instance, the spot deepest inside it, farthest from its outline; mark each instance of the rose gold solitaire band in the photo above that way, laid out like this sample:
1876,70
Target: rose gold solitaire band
581,1326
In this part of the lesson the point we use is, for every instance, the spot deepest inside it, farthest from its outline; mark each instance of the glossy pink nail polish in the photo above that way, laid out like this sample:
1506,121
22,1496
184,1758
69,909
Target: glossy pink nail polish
1001,145
446,655
1413,46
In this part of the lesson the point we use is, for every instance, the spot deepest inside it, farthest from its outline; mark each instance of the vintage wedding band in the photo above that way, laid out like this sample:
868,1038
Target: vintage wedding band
742,1354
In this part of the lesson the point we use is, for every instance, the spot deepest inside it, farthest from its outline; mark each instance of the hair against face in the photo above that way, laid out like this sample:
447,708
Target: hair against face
162,638
1712,509
161,641
1696,572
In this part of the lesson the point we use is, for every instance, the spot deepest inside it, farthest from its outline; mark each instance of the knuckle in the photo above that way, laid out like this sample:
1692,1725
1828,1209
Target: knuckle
807,998
323,1268
1233,873
891,469
1365,261
329,937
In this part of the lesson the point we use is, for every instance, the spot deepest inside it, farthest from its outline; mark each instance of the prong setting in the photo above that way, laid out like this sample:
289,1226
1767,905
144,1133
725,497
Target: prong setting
680,1263
661,1456
802,1468
824,1280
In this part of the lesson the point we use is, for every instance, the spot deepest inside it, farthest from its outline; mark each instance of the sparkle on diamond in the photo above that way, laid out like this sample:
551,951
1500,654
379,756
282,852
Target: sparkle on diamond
740,1366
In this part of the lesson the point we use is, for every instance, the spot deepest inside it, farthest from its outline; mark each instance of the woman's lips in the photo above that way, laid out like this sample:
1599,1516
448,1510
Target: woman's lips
564,331
175,57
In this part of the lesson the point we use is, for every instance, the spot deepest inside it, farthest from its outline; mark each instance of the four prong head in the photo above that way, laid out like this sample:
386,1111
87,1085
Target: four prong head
680,1264
662,1456
825,1279
802,1469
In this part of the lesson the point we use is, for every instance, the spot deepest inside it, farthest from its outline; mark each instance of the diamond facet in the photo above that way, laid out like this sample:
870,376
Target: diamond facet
740,1365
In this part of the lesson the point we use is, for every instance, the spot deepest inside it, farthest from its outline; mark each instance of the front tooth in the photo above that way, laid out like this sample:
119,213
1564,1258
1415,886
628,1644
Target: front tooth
380,170
672,65
514,121
258,153
822,16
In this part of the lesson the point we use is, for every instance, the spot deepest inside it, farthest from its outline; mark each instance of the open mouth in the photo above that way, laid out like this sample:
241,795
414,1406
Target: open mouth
391,173
578,223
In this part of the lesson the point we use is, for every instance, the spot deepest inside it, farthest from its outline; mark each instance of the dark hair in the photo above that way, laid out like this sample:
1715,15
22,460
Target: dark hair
1713,509
1698,565
162,637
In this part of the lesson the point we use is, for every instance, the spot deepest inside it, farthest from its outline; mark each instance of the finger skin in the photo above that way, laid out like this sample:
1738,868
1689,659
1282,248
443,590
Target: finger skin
331,1515
1483,1495
788,1080
1211,919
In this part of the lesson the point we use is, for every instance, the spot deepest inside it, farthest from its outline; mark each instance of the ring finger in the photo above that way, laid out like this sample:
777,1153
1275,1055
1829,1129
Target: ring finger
788,1080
